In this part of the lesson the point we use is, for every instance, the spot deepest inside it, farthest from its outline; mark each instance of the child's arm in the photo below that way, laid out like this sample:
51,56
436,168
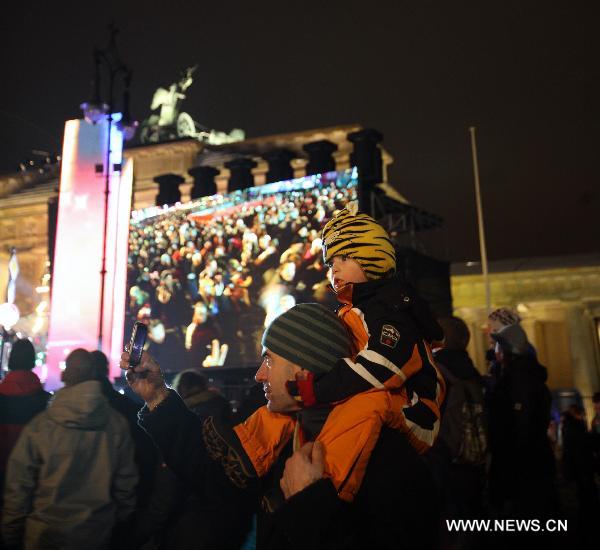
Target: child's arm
390,357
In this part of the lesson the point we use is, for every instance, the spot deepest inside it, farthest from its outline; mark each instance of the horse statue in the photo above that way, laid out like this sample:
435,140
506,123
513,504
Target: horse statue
169,123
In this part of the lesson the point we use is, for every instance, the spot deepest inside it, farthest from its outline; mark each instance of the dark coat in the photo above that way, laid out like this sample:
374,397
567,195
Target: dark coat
456,367
171,518
21,398
578,456
387,304
522,459
393,508
460,485
147,457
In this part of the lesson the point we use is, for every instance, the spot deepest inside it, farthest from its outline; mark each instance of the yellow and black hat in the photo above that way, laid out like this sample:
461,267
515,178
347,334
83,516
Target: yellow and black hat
358,236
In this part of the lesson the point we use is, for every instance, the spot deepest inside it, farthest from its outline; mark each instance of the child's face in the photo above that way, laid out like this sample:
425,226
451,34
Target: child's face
344,270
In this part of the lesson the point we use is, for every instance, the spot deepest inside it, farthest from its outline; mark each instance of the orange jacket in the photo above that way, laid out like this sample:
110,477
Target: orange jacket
349,436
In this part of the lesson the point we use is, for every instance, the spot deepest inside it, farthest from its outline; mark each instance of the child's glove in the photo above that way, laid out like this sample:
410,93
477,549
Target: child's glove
303,388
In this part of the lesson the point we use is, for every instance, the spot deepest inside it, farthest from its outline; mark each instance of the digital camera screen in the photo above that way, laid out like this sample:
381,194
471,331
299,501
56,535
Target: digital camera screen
208,276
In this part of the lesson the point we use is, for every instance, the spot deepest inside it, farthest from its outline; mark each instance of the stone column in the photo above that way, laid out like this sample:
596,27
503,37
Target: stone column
204,181
367,159
168,189
320,156
279,165
241,173
586,372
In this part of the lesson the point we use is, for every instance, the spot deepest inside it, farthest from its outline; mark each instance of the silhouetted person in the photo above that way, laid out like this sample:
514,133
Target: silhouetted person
254,399
146,454
578,463
522,470
459,454
71,475
193,388
596,431
175,507
21,398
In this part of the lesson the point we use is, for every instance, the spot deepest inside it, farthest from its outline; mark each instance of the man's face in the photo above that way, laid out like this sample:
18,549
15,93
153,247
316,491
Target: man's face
344,270
273,373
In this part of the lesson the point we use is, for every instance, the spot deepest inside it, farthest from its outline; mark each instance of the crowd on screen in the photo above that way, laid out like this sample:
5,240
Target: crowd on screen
196,279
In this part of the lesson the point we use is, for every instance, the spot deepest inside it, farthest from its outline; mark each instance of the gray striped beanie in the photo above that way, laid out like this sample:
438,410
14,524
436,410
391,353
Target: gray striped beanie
308,335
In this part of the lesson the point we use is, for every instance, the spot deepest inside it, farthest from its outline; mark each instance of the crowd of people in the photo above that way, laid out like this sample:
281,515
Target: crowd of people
224,271
371,426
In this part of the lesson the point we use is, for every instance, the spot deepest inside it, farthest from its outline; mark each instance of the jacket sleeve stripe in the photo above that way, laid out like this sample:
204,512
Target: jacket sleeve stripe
364,373
375,357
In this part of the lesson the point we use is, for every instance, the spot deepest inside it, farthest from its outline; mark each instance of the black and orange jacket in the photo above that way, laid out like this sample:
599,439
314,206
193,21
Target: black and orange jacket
248,451
393,508
392,331
349,436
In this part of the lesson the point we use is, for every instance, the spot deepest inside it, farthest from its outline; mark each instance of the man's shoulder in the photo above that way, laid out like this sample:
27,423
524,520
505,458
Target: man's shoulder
116,421
121,403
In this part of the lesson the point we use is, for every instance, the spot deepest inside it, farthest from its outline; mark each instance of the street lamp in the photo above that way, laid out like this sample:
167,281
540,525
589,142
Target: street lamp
94,111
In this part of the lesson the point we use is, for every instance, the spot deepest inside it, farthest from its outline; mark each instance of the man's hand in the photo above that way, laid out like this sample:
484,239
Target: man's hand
303,468
146,380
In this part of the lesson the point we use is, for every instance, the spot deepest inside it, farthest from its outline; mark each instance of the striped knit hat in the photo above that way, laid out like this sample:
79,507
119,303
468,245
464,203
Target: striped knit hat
308,335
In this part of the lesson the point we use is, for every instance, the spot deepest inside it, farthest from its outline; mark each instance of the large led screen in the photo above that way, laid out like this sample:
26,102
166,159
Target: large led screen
208,276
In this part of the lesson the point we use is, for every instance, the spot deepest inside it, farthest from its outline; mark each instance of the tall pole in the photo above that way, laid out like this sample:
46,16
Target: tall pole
482,247
105,229
114,66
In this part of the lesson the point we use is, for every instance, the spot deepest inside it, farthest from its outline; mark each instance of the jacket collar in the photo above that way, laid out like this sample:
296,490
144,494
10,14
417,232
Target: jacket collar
389,288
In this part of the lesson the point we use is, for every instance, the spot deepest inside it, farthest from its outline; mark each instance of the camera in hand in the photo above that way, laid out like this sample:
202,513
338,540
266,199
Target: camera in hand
136,344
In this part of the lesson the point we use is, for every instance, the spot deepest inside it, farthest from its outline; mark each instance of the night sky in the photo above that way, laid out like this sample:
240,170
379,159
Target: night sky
525,73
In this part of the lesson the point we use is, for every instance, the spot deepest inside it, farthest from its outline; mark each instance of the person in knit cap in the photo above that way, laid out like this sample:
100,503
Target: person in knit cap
392,330
505,323
501,318
317,477
21,398
522,467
